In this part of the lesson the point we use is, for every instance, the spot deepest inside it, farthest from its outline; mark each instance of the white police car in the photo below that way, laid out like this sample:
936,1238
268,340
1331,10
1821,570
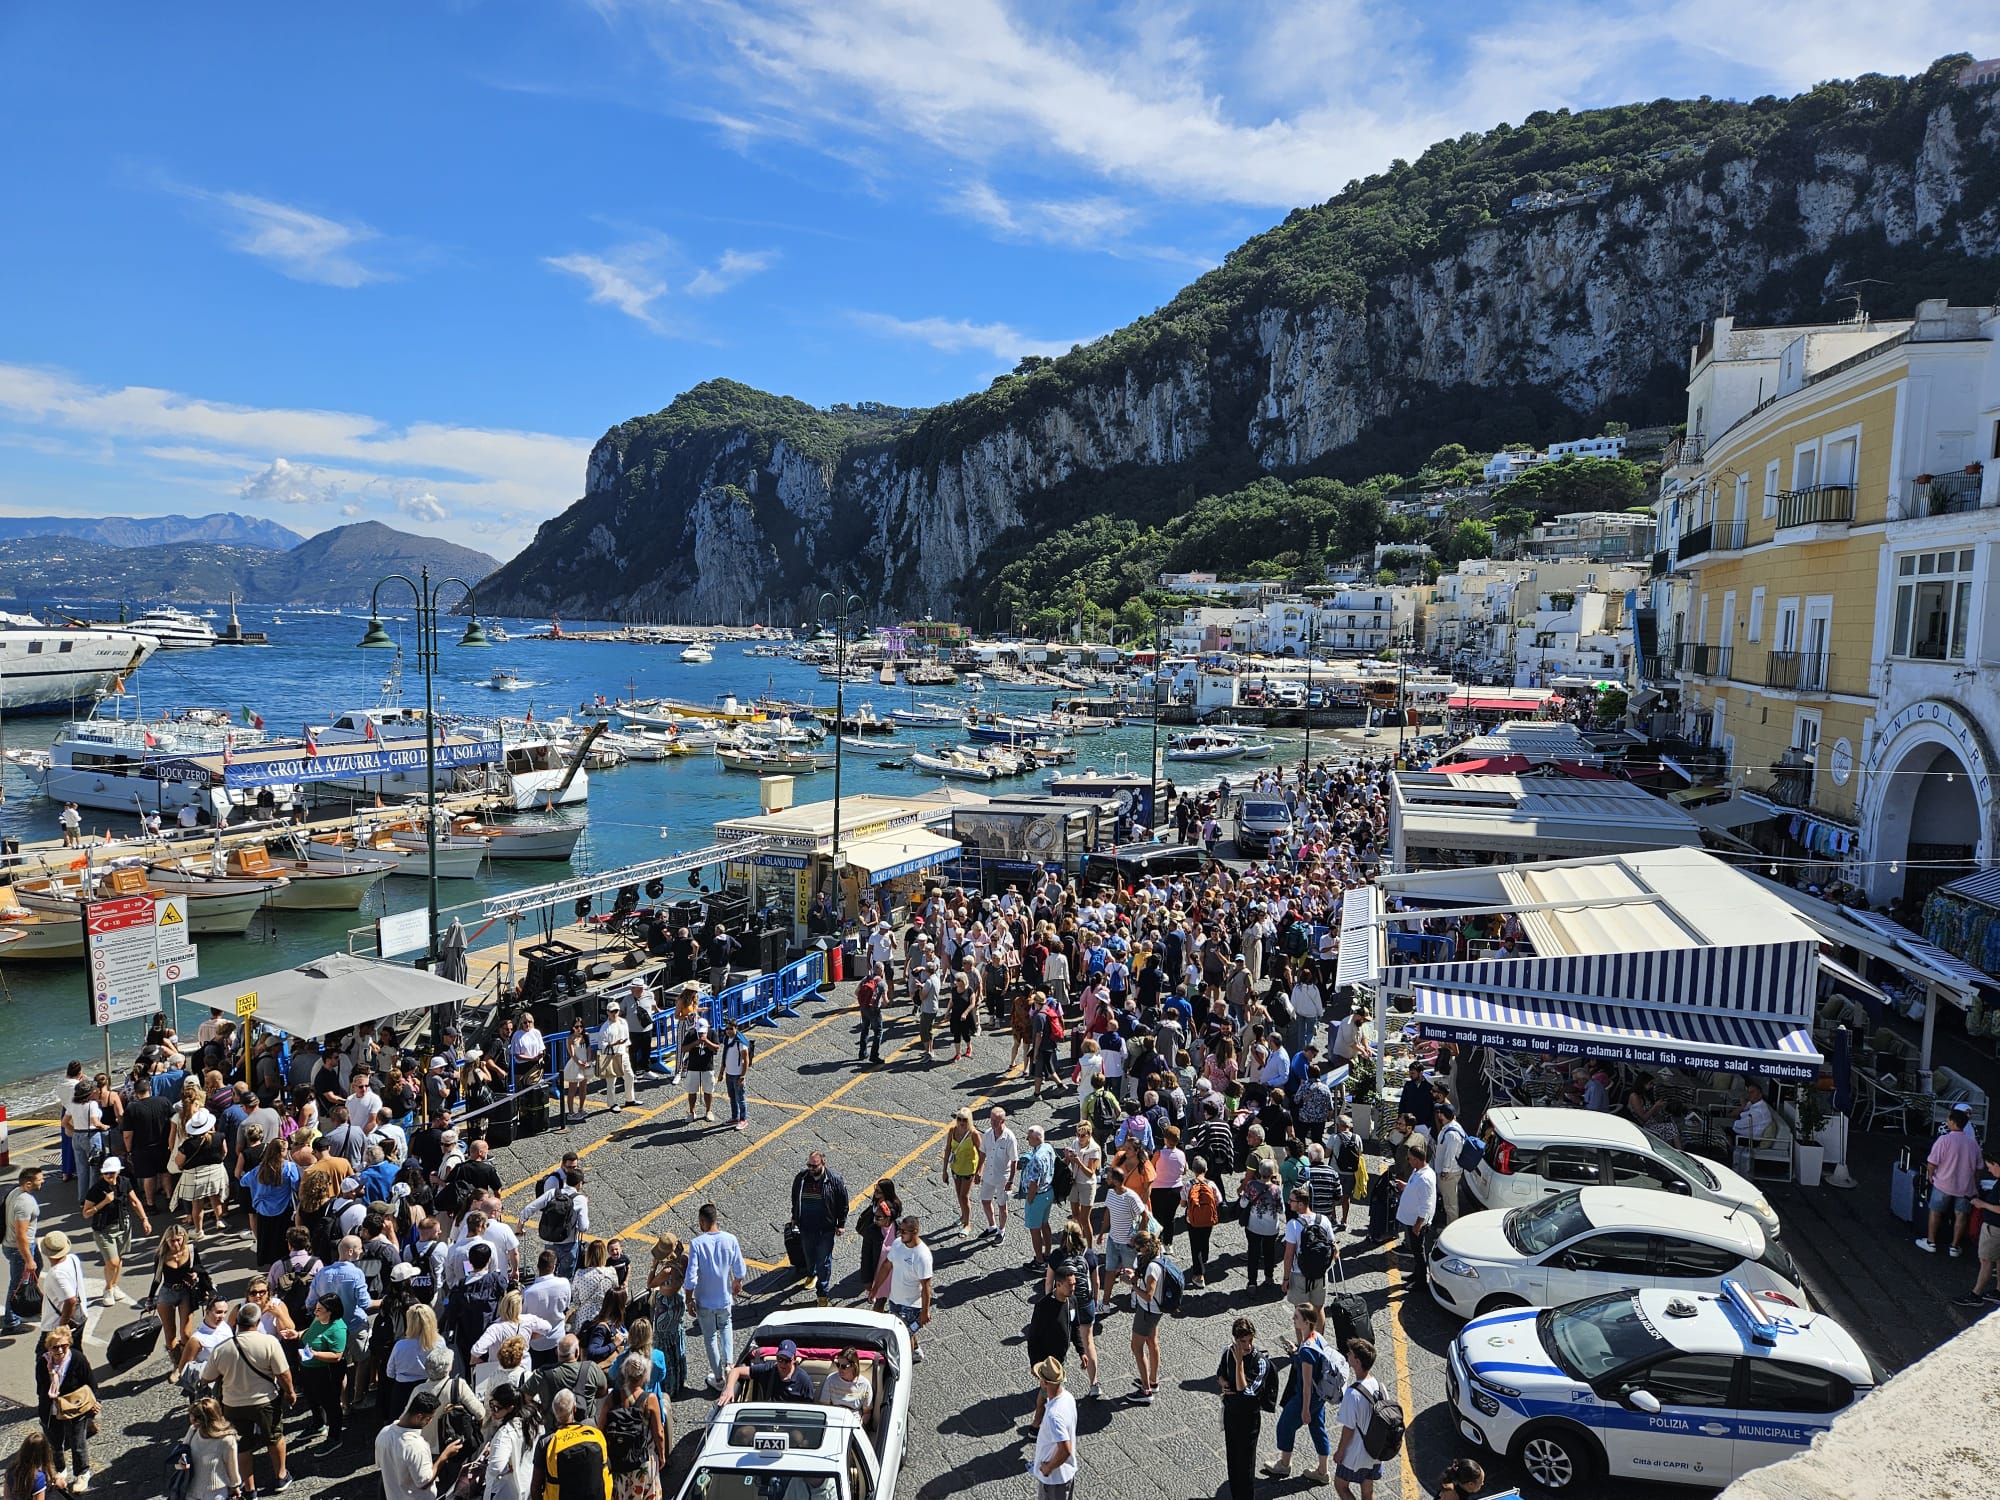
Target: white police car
1653,1384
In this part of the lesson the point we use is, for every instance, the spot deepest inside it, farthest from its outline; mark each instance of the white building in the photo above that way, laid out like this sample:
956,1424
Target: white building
1591,447
1502,467
1579,634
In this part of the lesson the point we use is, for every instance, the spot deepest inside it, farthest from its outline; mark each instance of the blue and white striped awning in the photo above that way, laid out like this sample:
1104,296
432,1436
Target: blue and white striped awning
1358,910
1982,886
1920,948
1772,979
1637,1033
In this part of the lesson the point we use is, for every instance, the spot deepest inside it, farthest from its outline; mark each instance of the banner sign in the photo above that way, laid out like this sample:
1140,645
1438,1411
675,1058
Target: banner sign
124,972
342,765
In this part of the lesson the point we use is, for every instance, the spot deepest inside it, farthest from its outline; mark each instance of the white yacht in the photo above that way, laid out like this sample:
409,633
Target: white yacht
141,766
695,654
176,630
45,669
529,771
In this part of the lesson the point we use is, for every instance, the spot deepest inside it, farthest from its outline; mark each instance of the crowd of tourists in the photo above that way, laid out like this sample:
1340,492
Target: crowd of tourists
1185,1034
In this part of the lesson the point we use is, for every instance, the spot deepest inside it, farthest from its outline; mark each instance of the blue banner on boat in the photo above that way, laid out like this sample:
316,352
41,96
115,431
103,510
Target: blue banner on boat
342,765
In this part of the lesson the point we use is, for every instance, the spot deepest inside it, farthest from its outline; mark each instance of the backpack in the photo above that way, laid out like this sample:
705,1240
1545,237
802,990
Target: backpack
1279,1008
1267,1394
627,1438
1204,1208
1471,1154
1061,1180
1326,1387
1350,1153
1383,1436
558,1218
325,1229
423,1285
1173,1282
575,1460
1056,1031
473,1305
1316,1250
455,1421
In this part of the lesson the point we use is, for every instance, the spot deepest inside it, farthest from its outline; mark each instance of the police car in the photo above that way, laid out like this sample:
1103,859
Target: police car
1653,1384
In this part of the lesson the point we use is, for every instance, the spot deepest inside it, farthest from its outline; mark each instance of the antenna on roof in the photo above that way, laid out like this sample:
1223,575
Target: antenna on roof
1856,296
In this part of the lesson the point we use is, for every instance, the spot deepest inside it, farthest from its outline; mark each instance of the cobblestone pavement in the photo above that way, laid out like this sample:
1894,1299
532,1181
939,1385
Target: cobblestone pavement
649,1170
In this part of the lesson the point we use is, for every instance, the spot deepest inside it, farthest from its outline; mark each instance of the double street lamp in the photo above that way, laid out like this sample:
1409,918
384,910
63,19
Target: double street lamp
838,605
378,639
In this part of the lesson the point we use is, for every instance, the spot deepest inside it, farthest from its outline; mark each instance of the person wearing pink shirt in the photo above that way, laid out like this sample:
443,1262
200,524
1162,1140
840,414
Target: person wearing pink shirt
1954,1173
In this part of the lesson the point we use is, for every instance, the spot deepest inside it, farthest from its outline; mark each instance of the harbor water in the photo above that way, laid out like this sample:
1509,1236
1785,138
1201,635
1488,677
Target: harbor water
637,811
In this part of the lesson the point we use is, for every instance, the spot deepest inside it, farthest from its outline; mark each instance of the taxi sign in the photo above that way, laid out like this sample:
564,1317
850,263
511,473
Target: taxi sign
246,1005
771,1442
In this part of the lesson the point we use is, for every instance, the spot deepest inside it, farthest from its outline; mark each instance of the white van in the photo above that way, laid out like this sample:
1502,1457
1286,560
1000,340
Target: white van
1532,1153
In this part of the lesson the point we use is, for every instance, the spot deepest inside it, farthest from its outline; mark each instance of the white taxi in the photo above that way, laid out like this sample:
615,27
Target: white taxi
1662,1385
1589,1241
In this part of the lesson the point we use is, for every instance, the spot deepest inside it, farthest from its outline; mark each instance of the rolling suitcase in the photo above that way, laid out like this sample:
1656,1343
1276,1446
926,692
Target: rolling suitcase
1381,1213
795,1251
1348,1317
133,1343
1903,1188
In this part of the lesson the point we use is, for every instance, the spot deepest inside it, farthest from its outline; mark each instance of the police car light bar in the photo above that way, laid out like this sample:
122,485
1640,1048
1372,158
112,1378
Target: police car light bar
1764,1329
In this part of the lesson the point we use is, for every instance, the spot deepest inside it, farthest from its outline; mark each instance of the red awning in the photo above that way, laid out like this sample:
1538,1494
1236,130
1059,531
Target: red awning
1520,765
1522,706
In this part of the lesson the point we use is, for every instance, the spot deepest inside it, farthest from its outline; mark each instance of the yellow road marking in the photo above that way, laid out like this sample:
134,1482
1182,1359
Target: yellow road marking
641,1116
1398,1342
633,1229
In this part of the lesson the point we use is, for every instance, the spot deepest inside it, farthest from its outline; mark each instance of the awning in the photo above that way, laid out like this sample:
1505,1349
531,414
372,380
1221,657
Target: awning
1982,886
1643,1035
890,856
1847,979
1963,975
1694,796
333,993
1724,817
1358,910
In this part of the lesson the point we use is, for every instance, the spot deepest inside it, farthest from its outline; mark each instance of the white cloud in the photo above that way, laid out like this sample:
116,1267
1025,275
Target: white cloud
732,267
1091,222
303,245
626,278
1270,102
276,456
961,336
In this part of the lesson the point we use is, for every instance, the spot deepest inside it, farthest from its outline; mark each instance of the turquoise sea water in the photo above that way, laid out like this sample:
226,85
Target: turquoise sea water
313,670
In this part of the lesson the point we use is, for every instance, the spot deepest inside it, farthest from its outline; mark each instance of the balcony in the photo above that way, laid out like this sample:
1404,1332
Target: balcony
1798,671
1662,563
1714,536
1791,780
1683,450
1705,661
1949,495
1829,506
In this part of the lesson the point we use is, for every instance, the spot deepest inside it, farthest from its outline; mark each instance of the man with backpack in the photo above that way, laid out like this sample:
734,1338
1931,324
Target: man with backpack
475,1301
574,1461
868,996
1371,1426
581,1380
1310,1252
565,1218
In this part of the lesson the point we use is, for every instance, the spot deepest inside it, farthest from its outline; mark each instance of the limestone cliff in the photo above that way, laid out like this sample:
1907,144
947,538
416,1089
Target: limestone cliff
1577,266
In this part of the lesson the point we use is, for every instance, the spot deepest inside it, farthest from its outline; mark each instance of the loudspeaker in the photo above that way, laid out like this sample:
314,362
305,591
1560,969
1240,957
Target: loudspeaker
773,944
534,1112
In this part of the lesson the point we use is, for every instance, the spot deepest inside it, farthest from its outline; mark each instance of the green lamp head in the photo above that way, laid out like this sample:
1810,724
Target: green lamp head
475,635
376,639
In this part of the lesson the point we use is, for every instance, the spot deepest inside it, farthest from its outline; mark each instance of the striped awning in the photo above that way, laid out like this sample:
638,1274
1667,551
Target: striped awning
1920,948
1982,886
1779,980
1358,910
1636,1033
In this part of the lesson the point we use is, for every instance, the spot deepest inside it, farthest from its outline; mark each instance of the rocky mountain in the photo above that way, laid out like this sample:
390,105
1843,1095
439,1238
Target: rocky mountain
336,567
1511,285
155,531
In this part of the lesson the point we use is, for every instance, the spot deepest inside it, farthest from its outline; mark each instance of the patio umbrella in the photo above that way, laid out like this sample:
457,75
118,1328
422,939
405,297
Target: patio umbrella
452,966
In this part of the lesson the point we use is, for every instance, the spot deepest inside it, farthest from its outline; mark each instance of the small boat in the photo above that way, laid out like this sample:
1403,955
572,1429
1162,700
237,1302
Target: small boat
311,885
960,766
525,840
762,761
497,634
696,654
1205,745
505,680
220,913
457,859
929,716
27,933
1257,749
894,765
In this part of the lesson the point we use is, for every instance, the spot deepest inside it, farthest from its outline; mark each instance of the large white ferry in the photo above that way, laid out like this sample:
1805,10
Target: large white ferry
530,772
46,669
175,629
141,766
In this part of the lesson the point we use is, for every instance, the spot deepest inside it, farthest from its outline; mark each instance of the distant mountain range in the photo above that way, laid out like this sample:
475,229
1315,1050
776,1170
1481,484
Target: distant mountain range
156,531
336,567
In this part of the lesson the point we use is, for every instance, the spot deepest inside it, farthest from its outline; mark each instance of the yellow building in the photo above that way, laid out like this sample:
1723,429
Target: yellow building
1832,525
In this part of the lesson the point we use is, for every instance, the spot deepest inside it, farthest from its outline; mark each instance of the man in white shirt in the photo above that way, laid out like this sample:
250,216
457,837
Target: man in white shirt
882,953
614,1049
363,1103
1124,1211
1054,1465
1352,1461
1755,1120
1000,1159
546,1297
1416,1211
715,1273
568,1187
1302,1290
1450,1141
904,1280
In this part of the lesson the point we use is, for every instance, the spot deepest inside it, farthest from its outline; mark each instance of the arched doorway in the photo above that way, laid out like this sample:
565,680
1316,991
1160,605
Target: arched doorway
1929,825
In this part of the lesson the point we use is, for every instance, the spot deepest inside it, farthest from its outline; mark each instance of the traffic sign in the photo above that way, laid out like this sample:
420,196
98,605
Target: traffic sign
116,916
124,971
246,1005
170,922
180,970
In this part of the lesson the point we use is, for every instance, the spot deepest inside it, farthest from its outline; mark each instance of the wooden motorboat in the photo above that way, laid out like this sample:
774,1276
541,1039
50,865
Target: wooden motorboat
457,858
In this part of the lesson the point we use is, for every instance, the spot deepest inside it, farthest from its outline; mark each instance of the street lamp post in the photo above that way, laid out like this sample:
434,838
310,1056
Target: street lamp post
377,639
1403,644
843,603
1312,641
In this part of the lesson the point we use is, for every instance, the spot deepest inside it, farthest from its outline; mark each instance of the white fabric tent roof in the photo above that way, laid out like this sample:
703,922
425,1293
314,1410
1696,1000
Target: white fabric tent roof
332,993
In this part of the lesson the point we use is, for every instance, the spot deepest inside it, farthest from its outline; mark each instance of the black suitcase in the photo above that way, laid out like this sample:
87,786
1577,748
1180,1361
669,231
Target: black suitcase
1381,1213
1348,1317
132,1343
795,1250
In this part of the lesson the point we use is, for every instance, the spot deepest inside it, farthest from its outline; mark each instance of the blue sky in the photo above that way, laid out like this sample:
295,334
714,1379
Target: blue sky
406,261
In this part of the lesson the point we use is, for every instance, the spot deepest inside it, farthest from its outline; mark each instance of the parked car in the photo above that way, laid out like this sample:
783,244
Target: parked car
1134,862
1651,1384
758,1449
1261,820
1531,1153
1589,1241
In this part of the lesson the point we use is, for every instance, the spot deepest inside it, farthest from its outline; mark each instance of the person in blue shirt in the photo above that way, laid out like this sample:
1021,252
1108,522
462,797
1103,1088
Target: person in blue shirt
1301,1069
1135,1127
273,1185
1177,1003
379,1176
342,1278
167,1083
